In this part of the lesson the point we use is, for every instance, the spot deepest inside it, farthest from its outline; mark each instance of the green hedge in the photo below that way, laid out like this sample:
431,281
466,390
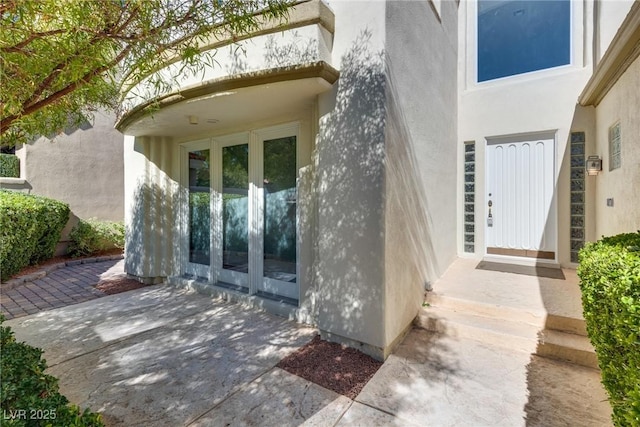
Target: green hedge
30,228
609,274
92,236
9,166
28,396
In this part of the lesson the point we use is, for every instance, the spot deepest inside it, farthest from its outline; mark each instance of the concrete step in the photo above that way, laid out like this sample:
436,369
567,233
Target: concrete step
561,323
494,311
568,347
569,344
460,324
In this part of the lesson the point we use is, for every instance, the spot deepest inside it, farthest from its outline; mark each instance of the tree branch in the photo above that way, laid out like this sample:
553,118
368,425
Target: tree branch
7,5
8,121
35,36
52,75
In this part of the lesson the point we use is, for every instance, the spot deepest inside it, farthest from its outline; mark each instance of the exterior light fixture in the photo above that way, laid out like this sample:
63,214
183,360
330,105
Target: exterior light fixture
193,120
594,165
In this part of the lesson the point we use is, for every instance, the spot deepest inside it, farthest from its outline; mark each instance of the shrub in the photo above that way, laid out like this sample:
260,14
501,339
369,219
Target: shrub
28,396
30,228
610,282
93,236
9,166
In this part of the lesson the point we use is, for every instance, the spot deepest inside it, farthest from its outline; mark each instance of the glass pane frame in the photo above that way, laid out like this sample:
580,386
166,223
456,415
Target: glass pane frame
530,48
189,268
615,147
269,285
220,274
469,11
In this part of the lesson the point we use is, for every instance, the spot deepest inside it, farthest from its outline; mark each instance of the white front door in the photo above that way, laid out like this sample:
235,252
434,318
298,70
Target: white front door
520,216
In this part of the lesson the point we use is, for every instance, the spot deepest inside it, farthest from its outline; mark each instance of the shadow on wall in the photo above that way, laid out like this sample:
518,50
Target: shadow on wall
409,224
149,235
296,50
350,184
350,196
372,210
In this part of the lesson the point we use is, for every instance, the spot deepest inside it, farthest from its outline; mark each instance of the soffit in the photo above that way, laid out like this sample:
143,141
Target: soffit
231,101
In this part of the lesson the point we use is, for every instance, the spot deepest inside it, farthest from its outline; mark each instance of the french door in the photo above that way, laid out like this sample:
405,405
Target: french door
241,225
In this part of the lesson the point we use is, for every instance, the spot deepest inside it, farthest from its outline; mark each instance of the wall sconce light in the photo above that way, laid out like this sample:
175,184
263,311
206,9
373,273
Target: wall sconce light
594,165
193,120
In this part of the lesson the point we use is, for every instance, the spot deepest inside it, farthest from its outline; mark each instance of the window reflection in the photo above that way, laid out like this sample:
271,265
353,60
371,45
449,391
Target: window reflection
199,207
280,209
235,208
518,36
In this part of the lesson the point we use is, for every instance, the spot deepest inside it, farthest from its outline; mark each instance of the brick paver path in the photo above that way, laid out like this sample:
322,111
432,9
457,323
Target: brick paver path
59,288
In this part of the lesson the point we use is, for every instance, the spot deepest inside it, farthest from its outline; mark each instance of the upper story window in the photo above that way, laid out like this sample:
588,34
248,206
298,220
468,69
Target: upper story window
520,36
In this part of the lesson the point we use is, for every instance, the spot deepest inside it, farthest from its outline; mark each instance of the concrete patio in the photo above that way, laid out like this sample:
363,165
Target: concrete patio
162,356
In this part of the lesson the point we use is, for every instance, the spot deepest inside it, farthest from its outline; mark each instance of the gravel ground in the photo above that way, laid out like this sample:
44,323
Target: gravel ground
117,285
333,366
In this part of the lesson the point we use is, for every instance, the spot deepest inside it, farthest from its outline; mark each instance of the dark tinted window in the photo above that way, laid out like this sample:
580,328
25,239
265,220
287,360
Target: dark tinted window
519,36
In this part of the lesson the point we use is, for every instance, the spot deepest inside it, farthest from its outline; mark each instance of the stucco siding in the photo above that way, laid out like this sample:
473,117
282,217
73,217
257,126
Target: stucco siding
152,208
350,189
621,104
420,221
610,16
83,168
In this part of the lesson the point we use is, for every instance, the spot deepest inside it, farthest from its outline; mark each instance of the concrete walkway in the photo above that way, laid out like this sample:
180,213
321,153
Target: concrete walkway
65,285
161,356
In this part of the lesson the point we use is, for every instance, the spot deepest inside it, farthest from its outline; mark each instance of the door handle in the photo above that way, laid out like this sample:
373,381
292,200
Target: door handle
490,217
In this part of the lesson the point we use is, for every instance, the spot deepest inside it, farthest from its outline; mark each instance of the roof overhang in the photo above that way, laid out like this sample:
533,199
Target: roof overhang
230,100
623,50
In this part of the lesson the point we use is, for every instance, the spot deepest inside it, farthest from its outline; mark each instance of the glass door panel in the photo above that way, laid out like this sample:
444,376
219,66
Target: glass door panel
279,213
199,210
240,222
235,216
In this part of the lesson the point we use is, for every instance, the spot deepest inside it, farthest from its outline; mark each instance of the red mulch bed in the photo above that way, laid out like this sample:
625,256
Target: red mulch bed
333,366
117,285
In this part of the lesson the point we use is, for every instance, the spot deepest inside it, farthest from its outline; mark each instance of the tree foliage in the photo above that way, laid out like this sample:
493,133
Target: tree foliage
62,59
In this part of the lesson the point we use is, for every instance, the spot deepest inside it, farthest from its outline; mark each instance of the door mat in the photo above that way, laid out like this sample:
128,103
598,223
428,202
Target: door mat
552,273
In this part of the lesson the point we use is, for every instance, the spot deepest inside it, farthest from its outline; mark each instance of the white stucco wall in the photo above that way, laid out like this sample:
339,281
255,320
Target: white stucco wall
305,36
611,13
385,163
350,182
83,168
151,189
420,220
621,104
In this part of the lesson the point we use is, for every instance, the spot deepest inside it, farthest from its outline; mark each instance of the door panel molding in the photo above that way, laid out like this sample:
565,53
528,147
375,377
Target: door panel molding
520,210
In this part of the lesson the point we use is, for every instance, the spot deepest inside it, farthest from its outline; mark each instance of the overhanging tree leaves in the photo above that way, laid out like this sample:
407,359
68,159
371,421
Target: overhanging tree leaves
62,59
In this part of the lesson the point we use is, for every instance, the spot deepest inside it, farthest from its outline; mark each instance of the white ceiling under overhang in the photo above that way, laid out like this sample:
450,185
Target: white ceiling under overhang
225,104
